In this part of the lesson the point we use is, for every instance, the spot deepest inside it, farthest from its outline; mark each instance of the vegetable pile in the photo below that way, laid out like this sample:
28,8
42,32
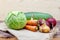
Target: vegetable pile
32,21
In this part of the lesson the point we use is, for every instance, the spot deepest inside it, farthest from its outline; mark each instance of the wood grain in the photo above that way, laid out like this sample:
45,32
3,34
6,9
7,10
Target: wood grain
56,38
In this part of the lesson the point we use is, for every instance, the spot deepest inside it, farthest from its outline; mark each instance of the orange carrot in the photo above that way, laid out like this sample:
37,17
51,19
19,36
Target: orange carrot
32,22
31,28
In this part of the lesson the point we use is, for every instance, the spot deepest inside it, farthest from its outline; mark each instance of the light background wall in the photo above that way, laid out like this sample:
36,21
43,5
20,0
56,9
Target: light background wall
47,6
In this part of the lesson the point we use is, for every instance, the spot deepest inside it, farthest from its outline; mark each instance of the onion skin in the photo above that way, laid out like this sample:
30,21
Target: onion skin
40,22
47,23
44,28
52,21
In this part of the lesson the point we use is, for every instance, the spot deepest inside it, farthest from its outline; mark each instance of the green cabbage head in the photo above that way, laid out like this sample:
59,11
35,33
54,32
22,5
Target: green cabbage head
15,20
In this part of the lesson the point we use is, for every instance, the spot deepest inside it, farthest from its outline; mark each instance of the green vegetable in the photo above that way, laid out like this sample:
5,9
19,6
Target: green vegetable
15,20
37,15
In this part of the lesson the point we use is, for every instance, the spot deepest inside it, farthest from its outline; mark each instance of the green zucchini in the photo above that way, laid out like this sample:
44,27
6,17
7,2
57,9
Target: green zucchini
37,15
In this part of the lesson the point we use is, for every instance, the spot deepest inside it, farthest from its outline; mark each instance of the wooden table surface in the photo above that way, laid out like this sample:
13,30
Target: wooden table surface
57,36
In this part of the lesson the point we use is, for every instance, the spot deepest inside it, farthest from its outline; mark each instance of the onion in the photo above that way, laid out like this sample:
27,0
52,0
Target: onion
41,22
52,21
